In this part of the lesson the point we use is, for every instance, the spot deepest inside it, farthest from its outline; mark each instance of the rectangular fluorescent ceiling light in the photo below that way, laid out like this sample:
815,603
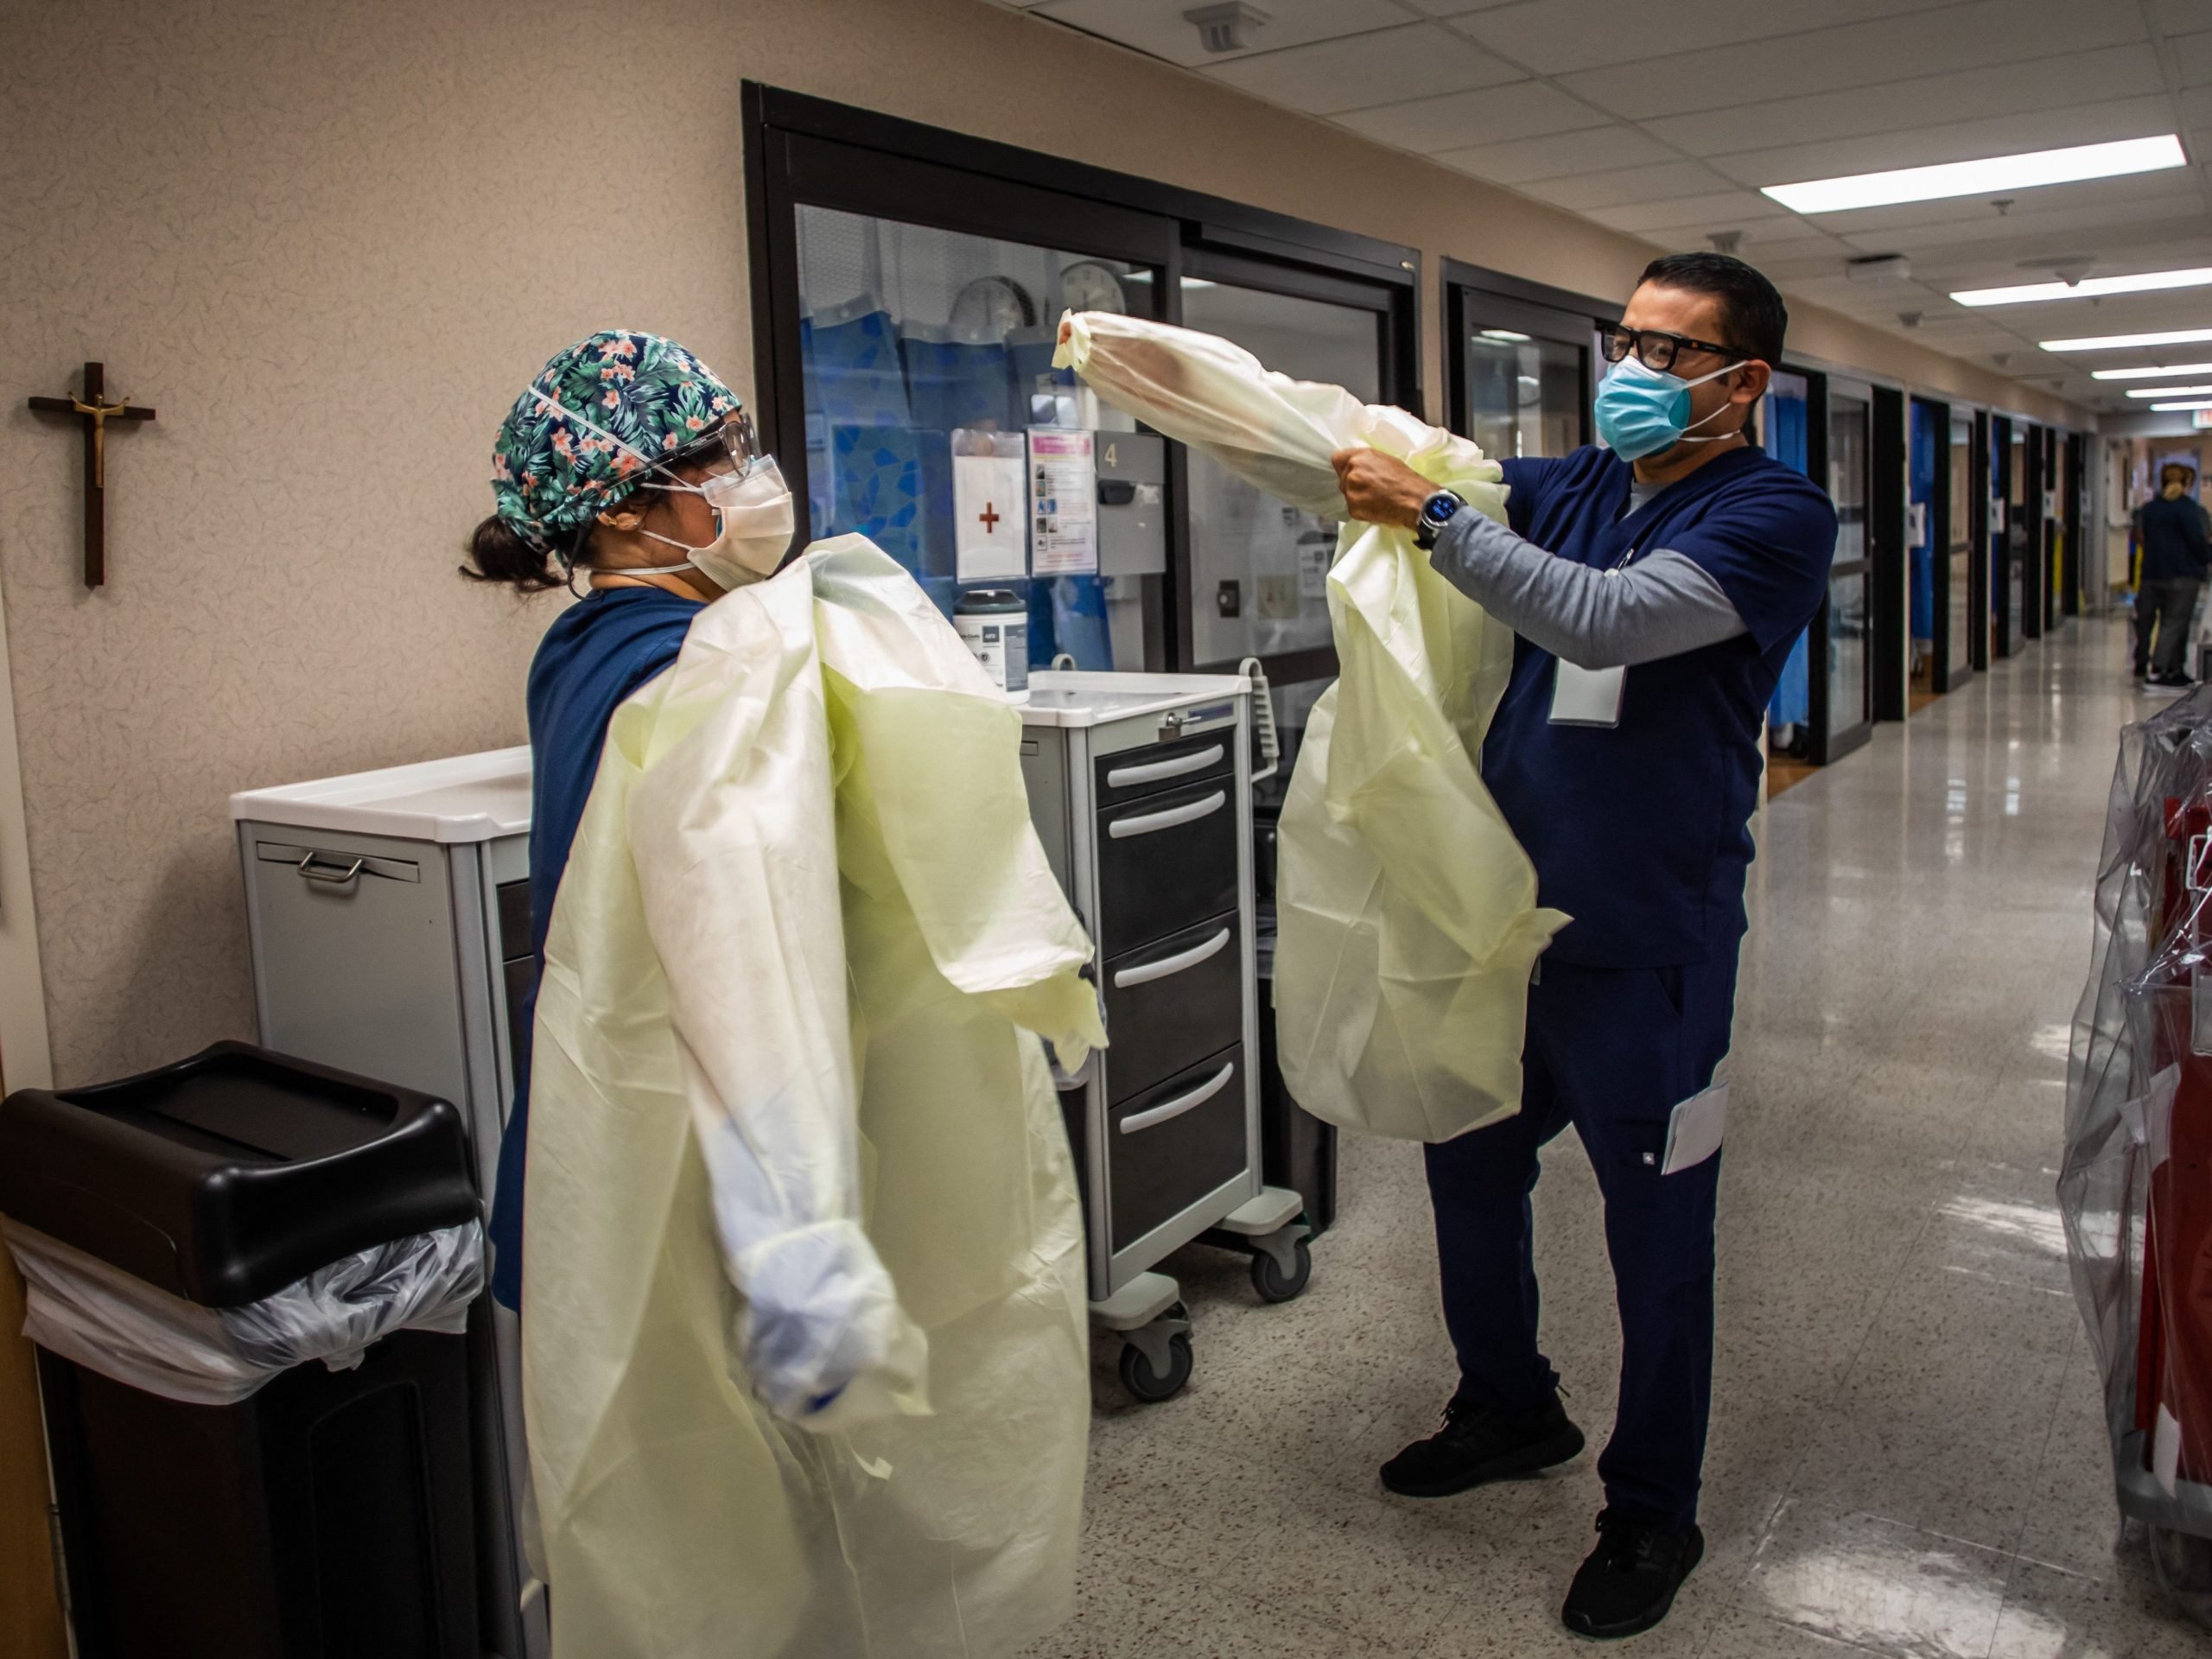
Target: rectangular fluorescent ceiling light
2171,392
2164,372
2121,342
2162,409
2089,288
1991,177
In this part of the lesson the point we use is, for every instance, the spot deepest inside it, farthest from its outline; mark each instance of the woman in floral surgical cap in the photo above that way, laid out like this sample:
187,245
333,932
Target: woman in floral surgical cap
628,473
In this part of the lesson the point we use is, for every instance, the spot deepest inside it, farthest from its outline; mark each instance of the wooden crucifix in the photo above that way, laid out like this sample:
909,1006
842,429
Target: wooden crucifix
95,411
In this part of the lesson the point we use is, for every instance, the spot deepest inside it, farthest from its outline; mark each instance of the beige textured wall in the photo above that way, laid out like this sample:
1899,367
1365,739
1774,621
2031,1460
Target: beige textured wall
330,242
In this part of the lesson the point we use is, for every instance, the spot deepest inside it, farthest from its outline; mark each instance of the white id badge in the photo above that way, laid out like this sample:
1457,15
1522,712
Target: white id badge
1586,697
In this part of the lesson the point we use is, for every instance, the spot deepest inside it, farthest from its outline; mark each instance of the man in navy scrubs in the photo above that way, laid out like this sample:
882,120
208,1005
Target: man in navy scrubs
1656,585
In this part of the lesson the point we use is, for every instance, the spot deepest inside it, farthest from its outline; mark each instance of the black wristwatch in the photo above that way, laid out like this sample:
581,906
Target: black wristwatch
1435,513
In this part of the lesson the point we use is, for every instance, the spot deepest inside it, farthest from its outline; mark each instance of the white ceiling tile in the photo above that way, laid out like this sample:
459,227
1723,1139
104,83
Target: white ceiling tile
1555,37
1524,108
1630,184
2194,54
1526,160
2086,123
2181,17
1727,208
2195,105
1387,66
2007,89
1857,54
1157,26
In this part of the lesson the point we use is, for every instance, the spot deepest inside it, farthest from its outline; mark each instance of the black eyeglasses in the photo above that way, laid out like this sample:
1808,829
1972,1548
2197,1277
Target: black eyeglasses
1655,348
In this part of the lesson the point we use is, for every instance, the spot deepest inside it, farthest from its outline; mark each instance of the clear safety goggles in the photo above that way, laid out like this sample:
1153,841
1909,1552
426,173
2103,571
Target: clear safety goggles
731,450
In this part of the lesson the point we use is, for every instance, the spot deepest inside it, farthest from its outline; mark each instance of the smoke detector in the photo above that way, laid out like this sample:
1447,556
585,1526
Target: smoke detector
1226,28
1878,268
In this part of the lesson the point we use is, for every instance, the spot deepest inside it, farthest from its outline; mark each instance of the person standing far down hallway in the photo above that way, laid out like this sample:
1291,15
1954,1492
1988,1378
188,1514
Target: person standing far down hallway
1656,585
2175,534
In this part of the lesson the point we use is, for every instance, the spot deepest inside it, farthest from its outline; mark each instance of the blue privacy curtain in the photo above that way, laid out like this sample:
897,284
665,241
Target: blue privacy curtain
1792,703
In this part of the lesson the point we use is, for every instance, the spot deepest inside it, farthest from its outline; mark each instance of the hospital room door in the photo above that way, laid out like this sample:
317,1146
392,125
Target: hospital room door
1521,363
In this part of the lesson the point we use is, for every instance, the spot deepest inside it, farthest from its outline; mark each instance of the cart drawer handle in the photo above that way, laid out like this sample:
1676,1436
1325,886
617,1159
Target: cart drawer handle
308,868
1198,1096
1146,825
1123,777
1144,973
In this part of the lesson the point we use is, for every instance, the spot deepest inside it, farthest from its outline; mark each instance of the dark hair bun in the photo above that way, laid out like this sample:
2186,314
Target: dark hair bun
497,553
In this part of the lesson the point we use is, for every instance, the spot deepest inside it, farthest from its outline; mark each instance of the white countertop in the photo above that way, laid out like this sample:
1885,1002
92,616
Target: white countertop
1065,698
466,797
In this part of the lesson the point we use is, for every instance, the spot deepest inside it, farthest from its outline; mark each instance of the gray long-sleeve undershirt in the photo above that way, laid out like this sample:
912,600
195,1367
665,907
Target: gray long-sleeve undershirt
1661,606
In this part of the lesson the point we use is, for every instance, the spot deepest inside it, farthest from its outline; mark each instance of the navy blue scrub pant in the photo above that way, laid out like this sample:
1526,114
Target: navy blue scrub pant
1611,1052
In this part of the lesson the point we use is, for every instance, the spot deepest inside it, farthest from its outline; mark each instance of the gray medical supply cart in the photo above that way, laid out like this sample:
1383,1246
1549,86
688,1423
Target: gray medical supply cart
390,919
1141,786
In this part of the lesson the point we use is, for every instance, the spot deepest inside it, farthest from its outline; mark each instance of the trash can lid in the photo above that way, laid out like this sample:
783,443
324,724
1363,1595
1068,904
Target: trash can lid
223,1178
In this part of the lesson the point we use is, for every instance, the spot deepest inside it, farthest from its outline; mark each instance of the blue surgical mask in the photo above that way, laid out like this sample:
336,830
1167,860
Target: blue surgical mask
1641,411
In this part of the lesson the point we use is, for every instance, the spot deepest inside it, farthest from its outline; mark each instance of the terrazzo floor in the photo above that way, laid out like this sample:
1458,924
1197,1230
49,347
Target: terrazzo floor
1906,1454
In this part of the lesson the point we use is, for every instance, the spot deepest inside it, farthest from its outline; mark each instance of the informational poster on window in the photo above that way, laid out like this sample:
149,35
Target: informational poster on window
1063,503
991,498
1916,523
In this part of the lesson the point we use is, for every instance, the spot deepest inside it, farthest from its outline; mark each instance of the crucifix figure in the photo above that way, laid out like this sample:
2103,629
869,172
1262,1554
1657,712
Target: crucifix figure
95,411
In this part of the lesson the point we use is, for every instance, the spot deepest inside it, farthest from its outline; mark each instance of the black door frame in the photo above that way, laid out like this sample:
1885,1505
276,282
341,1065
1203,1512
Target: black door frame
1500,300
1889,648
801,149
1981,486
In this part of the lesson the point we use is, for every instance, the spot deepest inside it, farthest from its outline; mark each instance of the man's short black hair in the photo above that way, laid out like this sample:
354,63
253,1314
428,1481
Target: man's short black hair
1757,317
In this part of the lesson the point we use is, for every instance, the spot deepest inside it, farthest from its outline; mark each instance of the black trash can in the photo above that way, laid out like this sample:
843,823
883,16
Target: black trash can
1297,1149
328,1512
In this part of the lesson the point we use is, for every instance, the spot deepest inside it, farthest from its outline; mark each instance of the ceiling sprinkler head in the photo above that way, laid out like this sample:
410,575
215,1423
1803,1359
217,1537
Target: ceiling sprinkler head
1226,28
2000,358
1726,241
1910,319
2003,204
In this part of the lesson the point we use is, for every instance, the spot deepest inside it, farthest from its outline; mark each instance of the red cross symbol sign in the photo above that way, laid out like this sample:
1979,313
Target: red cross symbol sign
988,517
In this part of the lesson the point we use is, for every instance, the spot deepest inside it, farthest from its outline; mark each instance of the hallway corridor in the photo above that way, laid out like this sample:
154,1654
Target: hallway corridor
1906,1454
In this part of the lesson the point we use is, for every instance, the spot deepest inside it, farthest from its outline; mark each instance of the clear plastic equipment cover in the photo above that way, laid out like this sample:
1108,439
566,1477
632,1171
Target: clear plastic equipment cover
2135,1188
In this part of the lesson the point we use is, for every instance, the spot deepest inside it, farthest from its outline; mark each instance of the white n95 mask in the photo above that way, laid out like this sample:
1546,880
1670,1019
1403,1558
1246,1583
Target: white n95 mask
754,509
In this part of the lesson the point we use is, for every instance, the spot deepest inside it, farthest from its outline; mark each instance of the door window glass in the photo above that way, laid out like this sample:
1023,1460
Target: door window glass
927,356
1525,397
1258,565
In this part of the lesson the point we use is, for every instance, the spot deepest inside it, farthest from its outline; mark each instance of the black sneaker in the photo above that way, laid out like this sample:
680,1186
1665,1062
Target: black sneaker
1629,1582
1476,1445
2176,681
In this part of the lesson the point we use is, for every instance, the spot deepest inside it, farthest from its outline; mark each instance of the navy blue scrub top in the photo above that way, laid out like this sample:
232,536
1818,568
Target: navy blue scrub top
1641,832
599,651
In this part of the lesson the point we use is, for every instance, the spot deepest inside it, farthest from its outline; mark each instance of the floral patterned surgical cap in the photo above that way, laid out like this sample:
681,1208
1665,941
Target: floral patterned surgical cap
557,461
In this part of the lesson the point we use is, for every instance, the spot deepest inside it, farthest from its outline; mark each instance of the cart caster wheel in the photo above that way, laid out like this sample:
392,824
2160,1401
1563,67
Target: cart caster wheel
1274,1284
1148,1387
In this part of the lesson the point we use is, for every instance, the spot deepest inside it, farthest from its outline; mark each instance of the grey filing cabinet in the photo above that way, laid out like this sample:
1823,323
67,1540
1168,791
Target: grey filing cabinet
389,920
1141,786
